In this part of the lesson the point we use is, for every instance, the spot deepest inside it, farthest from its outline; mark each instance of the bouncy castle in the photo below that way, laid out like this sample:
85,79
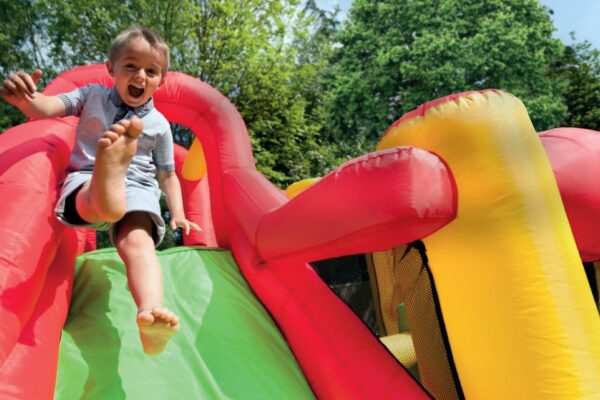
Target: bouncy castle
477,236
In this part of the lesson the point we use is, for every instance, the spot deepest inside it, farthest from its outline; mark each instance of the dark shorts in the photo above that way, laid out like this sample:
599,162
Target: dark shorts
139,198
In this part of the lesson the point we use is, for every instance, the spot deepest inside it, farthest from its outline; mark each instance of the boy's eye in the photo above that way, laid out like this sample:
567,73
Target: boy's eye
151,72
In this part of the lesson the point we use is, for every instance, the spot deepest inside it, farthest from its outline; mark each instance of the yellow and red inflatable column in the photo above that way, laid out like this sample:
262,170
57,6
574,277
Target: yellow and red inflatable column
519,313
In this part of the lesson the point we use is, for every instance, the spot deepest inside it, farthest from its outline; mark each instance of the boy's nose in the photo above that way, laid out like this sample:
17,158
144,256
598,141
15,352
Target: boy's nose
140,74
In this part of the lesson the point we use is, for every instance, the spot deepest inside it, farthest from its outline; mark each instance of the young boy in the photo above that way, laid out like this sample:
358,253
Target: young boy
122,145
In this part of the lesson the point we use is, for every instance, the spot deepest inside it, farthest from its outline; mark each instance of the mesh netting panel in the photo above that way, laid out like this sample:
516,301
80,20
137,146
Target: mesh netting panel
394,293
408,306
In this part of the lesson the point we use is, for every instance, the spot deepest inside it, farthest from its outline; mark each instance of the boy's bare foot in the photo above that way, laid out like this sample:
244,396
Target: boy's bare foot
114,152
156,328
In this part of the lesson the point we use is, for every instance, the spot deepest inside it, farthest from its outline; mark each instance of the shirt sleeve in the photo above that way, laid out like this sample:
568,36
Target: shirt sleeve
163,154
75,100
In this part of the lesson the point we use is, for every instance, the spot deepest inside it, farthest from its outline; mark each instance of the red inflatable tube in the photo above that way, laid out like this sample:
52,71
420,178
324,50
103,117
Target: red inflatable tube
575,157
365,205
32,162
369,204
30,371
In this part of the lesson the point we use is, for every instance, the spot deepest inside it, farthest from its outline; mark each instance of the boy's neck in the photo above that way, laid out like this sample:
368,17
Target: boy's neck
139,111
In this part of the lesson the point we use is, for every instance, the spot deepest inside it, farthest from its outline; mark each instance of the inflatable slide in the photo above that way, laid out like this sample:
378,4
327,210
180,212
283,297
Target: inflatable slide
500,217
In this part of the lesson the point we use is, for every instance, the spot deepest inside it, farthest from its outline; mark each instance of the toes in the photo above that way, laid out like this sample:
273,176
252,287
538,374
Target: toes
165,315
135,127
132,128
112,135
104,142
145,317
107,139
160,312
172,318
119,128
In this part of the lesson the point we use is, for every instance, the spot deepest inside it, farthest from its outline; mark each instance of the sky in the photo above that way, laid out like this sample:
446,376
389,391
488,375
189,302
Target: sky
580,16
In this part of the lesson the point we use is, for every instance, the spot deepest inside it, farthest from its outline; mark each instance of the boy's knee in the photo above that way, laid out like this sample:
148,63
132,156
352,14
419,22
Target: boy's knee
134,231
135,240
112,214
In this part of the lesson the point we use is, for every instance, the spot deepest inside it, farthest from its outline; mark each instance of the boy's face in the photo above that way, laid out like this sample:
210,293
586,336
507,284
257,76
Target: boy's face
137,70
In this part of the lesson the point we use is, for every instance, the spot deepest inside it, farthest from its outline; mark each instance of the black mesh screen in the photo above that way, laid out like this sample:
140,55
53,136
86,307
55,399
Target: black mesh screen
349,279
592,272
394,293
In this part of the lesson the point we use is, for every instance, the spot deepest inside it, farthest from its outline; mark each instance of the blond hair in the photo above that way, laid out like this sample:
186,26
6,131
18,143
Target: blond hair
139,32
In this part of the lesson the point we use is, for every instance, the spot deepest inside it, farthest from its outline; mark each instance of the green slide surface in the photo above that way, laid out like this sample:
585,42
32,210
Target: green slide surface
228,346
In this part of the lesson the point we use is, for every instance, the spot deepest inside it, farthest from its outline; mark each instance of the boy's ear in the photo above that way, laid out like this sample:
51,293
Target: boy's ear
109,67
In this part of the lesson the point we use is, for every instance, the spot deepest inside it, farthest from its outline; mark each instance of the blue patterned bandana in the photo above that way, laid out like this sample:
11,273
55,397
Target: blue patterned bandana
127,112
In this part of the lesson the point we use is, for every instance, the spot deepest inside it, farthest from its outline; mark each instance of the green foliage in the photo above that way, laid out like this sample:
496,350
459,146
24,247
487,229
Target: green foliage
19,49
247,49
394,55
580,66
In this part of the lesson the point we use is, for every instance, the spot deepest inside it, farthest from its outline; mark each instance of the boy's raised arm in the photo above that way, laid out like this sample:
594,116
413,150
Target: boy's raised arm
20,90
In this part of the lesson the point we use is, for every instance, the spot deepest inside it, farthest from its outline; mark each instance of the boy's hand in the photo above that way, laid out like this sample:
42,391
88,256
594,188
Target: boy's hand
184,224
20,86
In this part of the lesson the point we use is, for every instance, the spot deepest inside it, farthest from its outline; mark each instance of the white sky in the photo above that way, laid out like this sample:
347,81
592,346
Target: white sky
580,16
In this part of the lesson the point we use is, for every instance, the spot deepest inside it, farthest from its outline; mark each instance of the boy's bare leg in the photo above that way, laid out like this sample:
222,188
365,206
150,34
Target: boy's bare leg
136,248
102,199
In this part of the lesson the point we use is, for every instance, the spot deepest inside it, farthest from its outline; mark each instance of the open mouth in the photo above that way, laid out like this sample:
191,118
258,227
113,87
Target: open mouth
135,91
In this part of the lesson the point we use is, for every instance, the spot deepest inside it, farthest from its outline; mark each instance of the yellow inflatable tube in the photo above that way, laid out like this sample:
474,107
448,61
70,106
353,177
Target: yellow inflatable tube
298,187
194,165
518,311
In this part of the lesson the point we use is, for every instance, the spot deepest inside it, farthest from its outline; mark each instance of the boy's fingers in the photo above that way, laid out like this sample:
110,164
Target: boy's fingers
28,81
36,76
19,83
10,89
196,227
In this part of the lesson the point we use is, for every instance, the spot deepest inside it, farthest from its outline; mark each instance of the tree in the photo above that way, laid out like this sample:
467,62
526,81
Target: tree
20,46
262,54
394,55
580,66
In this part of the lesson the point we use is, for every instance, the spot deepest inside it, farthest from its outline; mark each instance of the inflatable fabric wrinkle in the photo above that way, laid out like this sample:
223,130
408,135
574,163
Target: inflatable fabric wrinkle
423,109
34,155
249,227
236,205
36,352
21,298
